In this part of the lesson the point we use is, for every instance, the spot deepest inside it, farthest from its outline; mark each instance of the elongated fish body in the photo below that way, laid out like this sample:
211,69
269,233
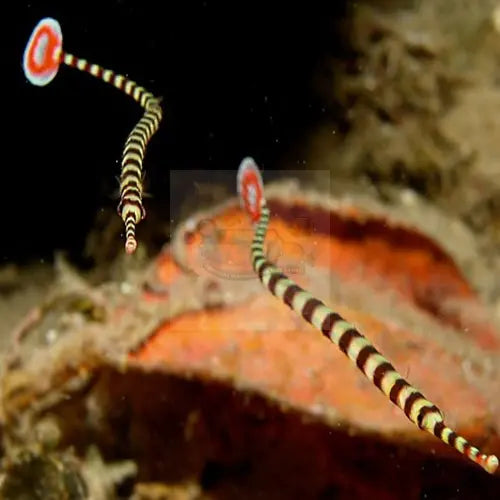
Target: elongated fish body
422,412
42,57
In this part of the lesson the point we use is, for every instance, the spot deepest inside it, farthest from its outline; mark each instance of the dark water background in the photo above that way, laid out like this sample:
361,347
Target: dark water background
236,80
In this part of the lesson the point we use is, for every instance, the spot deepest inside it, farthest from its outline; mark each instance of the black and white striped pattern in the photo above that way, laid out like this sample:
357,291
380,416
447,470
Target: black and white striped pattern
130,208
359,349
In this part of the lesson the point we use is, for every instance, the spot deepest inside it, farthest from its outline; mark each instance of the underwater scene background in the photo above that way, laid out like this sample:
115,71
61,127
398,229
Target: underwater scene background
142,353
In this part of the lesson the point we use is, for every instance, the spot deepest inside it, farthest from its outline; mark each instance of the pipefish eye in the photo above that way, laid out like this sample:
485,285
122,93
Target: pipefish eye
42,55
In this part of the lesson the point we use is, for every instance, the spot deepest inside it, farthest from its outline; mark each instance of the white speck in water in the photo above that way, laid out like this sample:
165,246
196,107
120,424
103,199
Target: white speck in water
496,18
51,336
317,409
126,288
190,224
408,197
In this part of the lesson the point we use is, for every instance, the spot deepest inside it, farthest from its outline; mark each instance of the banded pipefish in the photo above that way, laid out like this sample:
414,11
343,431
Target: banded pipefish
422,412
42,57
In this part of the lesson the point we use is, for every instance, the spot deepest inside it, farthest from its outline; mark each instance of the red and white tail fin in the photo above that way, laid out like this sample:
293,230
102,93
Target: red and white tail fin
42,55
250,188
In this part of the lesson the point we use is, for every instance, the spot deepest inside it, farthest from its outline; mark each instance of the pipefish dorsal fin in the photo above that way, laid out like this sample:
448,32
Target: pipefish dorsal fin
42,57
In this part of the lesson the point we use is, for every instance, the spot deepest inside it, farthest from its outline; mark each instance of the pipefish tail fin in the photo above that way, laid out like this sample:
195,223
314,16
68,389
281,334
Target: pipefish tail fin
422,412
42,57
250,188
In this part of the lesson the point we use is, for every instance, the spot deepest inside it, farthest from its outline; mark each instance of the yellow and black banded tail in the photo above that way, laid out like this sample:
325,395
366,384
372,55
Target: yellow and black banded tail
42,58
130,208
422,412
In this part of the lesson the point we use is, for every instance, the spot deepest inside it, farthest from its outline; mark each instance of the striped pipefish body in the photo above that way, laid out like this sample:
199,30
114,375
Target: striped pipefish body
422,412
42,57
